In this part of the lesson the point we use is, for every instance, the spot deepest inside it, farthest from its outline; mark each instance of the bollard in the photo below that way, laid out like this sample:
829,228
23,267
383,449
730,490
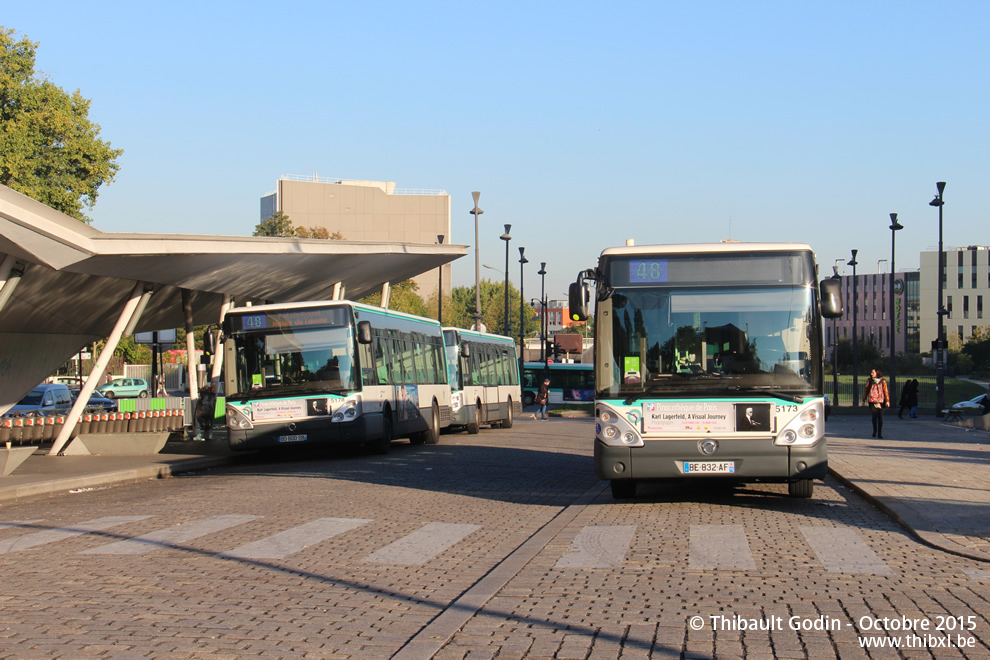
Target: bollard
17,430
27,433
85,424
159,421
131,422
49,433
142,425
5,431
57,424
38,430
118,422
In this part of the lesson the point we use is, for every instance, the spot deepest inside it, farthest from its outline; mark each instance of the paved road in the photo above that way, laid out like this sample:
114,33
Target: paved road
500,545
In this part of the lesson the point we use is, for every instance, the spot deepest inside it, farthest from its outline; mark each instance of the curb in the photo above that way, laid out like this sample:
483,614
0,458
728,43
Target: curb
106,479
901,513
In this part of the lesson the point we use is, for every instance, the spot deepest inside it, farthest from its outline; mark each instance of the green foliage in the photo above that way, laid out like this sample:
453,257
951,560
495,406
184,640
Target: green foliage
49,149
461,309
403,297
977,349
278,224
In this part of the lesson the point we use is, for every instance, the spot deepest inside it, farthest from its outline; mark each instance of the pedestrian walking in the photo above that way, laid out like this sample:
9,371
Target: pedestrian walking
909,394
542,396
913,399
877,396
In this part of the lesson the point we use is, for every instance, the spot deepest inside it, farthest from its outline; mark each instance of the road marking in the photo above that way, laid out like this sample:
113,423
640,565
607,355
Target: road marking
720,546
422,545
167,537
598,546
60,533
293,540
841,550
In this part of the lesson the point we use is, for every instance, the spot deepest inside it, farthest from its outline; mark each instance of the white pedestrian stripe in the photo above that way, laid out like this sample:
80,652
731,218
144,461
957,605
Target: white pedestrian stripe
293,540
720,546
422,545
598,546
841,550
173,535
60,533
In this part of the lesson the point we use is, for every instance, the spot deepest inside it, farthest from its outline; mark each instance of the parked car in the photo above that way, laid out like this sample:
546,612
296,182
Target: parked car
101,403
974,406
47,398
124,387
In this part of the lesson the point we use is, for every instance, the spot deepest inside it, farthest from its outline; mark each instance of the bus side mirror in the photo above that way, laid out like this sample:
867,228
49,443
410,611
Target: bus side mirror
831,294
577,294
364,332
465,350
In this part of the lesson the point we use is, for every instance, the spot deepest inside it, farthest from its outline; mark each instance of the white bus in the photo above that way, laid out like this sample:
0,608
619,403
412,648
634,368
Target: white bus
483,371
708,363
333,372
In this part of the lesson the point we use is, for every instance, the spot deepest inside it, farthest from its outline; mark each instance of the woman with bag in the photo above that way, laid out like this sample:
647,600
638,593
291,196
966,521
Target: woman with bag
877,396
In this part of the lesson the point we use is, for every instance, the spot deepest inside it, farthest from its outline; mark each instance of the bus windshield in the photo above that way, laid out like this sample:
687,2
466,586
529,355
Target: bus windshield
699,341
297,361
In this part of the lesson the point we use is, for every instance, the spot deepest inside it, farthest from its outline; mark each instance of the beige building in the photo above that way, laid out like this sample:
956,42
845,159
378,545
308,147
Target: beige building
367,211
965,292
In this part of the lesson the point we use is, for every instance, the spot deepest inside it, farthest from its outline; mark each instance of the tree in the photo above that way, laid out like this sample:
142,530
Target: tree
461,313
277,224
49,149
402,297
318,232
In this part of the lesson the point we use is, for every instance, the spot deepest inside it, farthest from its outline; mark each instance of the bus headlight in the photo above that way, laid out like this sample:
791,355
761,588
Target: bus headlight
349,410
806,428
788,437
614,430
237,419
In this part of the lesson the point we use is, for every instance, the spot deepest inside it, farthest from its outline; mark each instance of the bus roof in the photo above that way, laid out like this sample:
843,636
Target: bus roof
311,304
695,248
483,335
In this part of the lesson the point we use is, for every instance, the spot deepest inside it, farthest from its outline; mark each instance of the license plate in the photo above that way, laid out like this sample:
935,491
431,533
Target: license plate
709,467
300,437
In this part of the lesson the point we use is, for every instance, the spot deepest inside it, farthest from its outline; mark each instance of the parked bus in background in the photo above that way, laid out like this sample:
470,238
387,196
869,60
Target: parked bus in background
333,372
708,363
483,371
568,382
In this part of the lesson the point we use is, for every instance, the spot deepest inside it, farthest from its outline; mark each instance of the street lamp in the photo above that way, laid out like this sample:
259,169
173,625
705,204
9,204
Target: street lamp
505,237
855,396
543,311
894,228
940,343
440,287
477,263
522,315
835,345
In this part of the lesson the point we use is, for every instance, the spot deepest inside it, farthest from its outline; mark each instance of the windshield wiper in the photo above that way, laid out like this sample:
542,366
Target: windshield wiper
773,388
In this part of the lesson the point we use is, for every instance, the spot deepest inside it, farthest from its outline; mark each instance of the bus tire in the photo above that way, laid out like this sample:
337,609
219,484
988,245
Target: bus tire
803,488
623,489
507,422
384,443
431,435
475,425
528,399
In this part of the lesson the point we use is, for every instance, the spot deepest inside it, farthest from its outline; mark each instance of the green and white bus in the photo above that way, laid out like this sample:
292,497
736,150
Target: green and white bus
333,372
483,371
708,363
569,382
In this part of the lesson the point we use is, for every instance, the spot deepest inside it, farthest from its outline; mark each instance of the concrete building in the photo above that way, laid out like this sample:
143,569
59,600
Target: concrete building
965,291
367,211
872,304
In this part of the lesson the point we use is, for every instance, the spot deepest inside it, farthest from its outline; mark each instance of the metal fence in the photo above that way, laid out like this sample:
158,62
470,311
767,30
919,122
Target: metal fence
926,390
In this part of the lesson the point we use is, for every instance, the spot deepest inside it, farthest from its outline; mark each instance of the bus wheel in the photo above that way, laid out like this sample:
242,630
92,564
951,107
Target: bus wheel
507,422
475,425
431,436
801,488
623,489
528,399
384,443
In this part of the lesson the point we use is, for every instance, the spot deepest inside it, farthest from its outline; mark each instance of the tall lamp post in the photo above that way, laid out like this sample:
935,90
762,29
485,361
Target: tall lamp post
835,344
505,237
940,351
894,228
440,287
543,312
855,395
522,315
477,263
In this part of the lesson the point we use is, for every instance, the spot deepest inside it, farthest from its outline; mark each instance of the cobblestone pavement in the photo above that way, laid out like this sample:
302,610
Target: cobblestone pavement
499,545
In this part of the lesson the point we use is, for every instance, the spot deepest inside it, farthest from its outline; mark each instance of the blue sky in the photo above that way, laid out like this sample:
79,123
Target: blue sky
582,125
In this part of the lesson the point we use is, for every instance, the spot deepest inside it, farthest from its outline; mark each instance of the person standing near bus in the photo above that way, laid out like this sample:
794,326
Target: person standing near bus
877,396
542,396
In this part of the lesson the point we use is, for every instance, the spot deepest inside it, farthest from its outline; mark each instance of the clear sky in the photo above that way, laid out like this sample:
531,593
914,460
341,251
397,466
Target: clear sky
582,124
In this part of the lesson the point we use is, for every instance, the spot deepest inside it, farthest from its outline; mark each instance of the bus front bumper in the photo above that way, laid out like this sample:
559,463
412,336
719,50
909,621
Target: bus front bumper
313,431
752,460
